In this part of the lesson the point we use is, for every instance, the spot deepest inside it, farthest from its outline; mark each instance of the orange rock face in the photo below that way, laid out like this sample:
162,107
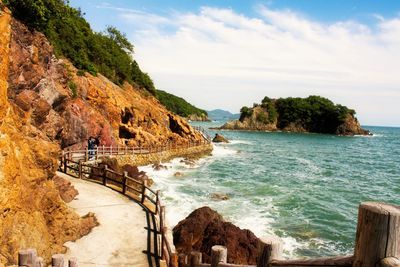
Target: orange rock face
32,212
46,106
69,108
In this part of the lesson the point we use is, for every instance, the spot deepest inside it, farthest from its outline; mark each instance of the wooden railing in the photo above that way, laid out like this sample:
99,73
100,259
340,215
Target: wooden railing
104,151
377,245
136,190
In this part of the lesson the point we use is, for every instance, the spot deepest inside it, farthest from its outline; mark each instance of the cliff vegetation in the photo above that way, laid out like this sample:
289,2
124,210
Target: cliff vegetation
180,106
312,114
109,52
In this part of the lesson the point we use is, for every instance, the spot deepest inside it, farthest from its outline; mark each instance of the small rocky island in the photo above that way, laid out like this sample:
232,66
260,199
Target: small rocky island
313,114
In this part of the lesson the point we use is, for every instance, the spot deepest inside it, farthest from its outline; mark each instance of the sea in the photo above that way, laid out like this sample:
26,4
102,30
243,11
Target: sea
304,188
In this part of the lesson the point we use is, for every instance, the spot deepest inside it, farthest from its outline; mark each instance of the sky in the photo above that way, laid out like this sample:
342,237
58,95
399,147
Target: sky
228,54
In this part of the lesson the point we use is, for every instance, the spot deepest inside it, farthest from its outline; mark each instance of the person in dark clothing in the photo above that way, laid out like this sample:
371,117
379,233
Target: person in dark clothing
91,146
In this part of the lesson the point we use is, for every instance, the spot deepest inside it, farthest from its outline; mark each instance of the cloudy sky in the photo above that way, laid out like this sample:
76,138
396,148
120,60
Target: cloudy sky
227,54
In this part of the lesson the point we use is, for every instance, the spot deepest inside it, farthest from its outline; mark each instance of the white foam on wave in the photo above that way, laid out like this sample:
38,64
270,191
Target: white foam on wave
235,142
223,150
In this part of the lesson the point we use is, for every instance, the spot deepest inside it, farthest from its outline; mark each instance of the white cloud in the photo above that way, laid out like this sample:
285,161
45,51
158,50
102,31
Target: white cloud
219,58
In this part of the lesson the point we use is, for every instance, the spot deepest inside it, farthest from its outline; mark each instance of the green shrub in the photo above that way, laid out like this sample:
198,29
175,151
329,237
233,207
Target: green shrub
178,105
245,112
74,90
80,73
261,117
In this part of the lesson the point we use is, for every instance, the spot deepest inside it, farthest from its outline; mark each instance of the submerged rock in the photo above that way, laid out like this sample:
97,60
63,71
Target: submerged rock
159,167
220,139
219,196
178,174
189,162
204,228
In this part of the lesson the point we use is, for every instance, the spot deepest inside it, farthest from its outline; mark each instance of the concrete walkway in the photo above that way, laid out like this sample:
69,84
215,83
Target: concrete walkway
119,239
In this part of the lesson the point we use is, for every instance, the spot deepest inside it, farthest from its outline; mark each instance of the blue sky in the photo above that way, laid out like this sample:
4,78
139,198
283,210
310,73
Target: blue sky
226,54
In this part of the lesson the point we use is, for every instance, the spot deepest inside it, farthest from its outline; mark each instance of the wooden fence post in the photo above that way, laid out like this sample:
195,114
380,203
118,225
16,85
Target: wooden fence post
27,257
73,262
57,260
103,150
378,234
173,261
269,248
80,169
218,254
389,262
124,182
143,192
182,260
157,200
39,262
65,163
87,154
195,258
105,174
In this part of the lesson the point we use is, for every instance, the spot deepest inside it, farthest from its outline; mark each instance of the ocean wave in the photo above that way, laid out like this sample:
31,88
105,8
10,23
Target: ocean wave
222,151
235,142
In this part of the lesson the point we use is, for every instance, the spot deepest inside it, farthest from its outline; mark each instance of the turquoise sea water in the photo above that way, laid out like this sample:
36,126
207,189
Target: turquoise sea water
305,188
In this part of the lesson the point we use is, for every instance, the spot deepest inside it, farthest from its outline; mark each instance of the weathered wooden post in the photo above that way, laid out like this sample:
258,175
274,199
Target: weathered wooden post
105,175
57,260
124,182
80,168
39,262
27,257
87,154
182,260
378,235
65,163
173,261
143,192
73,262
218,254
269,248
195,258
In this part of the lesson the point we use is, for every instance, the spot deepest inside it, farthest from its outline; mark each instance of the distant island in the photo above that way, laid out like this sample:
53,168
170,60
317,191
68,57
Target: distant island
313,114
219,115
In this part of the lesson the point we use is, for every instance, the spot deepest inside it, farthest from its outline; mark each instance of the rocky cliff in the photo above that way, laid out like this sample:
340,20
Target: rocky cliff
32,212
46,104
313,114
68,105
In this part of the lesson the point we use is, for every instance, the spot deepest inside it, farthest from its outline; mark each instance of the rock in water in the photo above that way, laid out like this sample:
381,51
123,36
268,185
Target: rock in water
204,228
178,174
159,167
220,139
219,196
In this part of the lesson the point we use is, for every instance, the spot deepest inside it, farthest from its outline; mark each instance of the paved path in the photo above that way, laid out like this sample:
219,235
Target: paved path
119,239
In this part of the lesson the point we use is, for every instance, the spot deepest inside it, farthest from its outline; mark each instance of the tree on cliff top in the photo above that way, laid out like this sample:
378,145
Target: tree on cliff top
109,52
179,105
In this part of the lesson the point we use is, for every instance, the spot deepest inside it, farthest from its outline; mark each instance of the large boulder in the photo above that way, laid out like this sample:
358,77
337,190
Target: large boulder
220,139
204,228
65,188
